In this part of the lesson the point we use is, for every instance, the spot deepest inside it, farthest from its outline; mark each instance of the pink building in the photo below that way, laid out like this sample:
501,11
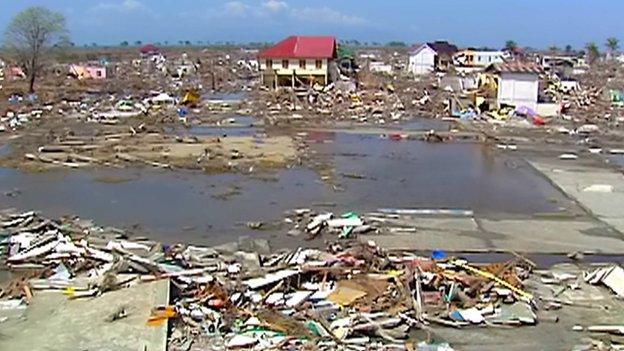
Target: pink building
87,72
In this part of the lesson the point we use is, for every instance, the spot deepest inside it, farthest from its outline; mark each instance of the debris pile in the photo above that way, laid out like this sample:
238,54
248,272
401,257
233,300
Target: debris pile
305,220
354,297
342,101
144,145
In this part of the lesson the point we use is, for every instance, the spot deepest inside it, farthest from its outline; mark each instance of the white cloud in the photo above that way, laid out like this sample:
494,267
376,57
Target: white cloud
123,6
131,5
275,5
280,12
236,8
328,15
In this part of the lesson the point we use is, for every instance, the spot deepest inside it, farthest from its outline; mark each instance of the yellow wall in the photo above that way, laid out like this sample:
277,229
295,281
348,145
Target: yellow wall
310,67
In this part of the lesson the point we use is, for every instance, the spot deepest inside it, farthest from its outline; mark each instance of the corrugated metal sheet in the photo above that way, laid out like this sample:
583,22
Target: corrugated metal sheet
518,67
302,47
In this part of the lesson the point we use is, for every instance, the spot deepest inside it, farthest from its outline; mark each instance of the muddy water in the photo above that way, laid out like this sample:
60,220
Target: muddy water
170,206
225,96
185,206
617,160
412,173
5,149
426,124
235,126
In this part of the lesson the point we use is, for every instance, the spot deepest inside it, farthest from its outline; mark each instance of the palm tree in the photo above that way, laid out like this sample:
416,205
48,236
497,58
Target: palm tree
511,45
592,52
613,44
553,49
568,49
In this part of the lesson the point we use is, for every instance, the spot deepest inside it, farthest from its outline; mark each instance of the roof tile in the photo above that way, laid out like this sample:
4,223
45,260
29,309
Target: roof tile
302,47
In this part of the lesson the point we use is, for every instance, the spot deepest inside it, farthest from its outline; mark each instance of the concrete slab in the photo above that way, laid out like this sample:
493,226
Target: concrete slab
574,179
430,240
521,235
550,236
54,323
452,223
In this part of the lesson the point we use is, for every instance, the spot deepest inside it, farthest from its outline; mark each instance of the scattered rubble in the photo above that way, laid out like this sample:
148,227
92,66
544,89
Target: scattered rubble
349,296
142,147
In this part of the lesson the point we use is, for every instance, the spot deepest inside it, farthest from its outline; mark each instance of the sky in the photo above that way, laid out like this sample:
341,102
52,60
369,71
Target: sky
535,23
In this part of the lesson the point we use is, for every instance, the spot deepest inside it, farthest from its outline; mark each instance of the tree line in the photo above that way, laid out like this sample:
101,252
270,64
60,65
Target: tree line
591,49
36,31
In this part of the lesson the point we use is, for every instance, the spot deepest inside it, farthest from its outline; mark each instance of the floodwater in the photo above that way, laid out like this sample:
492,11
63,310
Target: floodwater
370,172
413,173
617,160
426,124
5,149
235,126
225,96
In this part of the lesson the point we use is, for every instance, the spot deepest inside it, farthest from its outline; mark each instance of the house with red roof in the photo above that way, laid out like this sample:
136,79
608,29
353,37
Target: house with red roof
298,60
149,50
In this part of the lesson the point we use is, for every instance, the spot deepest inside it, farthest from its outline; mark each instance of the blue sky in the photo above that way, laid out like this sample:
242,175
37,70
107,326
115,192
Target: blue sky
537,23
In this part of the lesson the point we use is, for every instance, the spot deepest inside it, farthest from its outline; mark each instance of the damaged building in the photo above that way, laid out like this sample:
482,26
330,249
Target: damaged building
518,83
430,57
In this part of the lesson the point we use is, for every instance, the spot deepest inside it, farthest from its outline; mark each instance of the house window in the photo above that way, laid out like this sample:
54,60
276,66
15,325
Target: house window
284,63
98,73
302,64
269,63
319,64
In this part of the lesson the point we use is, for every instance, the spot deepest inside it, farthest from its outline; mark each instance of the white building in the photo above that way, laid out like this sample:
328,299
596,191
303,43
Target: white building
430,57
380,67
518,84
422,60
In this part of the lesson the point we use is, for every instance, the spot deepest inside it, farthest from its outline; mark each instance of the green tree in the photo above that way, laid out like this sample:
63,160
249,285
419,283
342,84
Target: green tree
568,49
138,43
553,49
612,44
592,52
511,45
124,43
30,36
